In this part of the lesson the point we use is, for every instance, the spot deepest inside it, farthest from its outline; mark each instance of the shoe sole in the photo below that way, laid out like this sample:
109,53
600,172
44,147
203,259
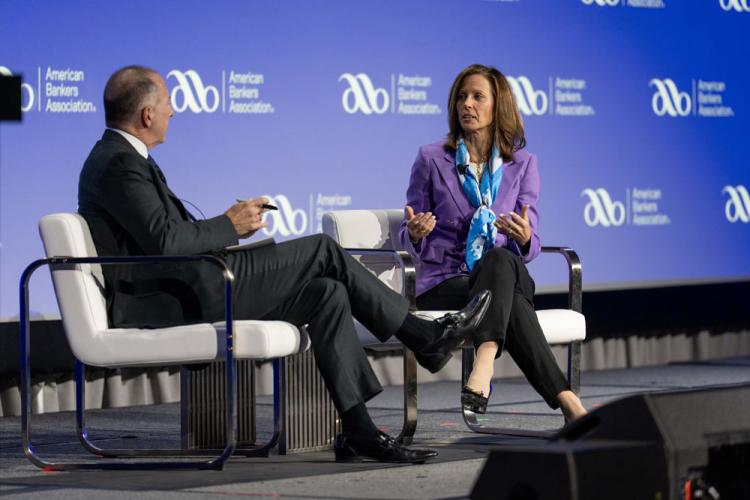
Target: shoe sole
364,458
461,343
478,411
441,365
368,459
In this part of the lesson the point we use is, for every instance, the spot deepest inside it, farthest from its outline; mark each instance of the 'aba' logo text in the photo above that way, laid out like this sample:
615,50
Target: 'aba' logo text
602,3
190,93
735,5
529,100
601,210
286,221
668,99
363,96
737,208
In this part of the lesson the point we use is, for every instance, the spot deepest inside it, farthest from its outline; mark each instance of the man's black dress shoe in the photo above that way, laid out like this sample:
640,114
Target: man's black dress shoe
382,448
456,328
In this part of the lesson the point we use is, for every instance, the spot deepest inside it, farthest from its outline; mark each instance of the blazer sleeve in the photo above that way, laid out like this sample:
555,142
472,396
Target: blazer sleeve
528,194
418,198
132,198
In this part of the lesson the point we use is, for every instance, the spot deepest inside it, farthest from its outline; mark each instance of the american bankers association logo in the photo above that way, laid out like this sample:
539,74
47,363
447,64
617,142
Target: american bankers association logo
737,207
530,101
668,99
708,99
191,93
601,209
642,207
408,95
362,95
735,5
566,96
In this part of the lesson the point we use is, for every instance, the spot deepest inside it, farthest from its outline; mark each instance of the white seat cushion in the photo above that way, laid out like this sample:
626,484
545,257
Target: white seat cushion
560,326
119,347
265,339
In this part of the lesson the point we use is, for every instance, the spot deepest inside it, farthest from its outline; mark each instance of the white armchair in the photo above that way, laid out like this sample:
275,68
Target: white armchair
78,282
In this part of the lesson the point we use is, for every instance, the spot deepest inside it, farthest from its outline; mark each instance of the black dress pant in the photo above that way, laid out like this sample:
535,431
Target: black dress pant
510,321
313,281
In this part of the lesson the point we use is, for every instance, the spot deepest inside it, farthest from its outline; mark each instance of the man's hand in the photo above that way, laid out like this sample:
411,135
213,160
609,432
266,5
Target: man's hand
247,216
419,225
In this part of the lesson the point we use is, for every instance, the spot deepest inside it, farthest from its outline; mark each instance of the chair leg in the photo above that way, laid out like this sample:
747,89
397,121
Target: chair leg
82,432
88,445
25,359
473,421
406,436
28,448
83,436
216,463
574,367
279,405
278,408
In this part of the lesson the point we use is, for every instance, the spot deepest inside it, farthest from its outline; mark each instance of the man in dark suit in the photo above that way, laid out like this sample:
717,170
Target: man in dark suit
124,197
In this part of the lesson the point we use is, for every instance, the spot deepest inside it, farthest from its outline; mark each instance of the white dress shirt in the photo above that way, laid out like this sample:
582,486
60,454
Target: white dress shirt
134,141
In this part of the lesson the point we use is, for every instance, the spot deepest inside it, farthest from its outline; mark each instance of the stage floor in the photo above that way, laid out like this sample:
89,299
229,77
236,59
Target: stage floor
315,475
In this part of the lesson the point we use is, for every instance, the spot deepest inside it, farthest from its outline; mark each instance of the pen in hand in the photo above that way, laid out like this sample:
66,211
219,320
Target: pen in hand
265,205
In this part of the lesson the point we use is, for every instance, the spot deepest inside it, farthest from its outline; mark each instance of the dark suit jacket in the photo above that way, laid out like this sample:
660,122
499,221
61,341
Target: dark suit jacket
131,211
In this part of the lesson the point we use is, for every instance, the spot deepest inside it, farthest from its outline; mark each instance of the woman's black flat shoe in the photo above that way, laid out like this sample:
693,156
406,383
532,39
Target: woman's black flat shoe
474,401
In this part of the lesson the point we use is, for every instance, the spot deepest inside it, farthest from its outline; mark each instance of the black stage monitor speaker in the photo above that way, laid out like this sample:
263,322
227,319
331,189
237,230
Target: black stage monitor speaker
664,445
601,470
10,98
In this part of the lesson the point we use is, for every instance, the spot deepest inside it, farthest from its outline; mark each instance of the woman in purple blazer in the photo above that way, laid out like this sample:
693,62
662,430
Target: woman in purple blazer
471,222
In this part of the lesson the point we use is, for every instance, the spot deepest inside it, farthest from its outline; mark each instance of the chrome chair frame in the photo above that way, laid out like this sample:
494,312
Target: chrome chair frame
83,432
409,290
231,382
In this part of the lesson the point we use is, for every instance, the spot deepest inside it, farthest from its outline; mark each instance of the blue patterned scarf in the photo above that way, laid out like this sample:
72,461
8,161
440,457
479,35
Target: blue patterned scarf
481,195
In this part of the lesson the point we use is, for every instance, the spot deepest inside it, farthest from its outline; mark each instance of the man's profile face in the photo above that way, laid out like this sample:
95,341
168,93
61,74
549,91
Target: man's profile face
162,111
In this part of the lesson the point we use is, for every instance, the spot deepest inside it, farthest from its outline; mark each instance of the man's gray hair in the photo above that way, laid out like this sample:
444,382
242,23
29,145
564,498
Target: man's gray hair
128,90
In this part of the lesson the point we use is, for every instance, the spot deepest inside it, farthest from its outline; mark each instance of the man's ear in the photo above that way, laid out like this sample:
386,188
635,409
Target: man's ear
147,116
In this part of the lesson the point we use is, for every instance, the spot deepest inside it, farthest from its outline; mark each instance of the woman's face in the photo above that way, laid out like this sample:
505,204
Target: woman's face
475,104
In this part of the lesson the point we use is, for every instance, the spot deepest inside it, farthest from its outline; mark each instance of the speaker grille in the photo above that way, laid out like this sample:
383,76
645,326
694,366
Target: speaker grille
311,421
203,404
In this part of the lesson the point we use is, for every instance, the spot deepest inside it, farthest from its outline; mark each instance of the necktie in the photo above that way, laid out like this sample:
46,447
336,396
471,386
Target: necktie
187,215
152,162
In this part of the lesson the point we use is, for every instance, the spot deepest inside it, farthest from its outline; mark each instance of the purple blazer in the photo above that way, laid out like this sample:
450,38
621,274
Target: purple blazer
434,187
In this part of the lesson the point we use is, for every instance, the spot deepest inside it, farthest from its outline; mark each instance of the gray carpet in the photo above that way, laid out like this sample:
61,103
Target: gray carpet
315,475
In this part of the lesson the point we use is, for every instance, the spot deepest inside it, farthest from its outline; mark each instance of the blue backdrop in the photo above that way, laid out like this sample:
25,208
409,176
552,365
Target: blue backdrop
635,108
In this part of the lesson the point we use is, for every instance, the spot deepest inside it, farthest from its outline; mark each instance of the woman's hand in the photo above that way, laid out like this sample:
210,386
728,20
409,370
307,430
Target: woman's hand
419,225
516,226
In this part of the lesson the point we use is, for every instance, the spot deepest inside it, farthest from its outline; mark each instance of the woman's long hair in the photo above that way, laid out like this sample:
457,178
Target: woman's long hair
507,122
